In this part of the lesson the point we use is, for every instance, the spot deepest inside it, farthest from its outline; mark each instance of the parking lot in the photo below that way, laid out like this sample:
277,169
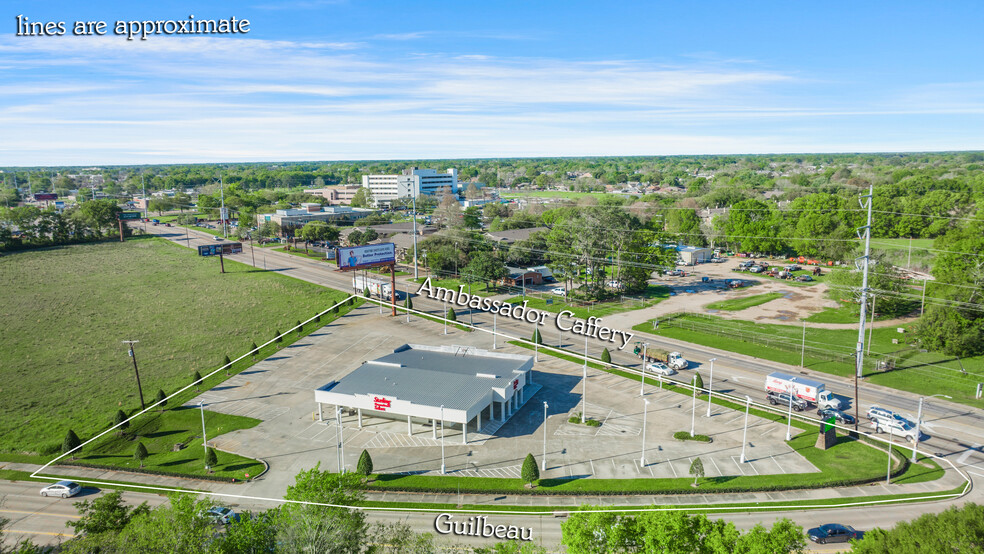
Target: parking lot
280,392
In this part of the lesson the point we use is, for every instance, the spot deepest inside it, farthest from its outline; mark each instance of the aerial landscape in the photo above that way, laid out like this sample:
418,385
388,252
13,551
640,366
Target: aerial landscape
305,276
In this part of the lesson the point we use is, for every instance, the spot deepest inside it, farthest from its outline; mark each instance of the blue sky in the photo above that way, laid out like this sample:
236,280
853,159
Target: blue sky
340,80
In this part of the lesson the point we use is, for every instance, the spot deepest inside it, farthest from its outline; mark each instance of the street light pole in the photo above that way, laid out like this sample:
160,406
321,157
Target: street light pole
445,316
584,381
201,406
645,412
414,234
133,355
789,420
919,421
891,436
442,440
645,360
710,381
744,434
340,436
493,329
544,437
693,415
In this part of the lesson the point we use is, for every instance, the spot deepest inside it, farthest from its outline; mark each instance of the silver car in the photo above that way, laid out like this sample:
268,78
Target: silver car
63,489
660,368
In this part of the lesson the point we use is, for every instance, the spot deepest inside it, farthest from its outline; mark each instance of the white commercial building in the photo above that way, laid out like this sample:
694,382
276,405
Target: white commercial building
426,384
412,182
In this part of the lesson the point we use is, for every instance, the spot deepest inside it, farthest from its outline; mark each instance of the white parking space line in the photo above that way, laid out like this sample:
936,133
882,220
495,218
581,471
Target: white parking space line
672,468
593,469
970,472
784,471
716,468
738,463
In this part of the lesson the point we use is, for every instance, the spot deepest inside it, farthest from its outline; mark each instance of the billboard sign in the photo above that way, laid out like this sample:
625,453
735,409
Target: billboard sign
225,249
45,196
130,215
358,257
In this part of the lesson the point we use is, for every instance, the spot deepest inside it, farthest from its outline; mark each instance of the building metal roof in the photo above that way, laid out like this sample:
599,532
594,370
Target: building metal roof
456,377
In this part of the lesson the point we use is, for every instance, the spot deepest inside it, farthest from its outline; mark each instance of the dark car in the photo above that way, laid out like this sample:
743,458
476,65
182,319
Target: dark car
839,416
783,398
832,532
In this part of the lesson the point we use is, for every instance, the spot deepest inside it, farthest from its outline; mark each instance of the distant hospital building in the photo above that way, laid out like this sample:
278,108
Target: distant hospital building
412,182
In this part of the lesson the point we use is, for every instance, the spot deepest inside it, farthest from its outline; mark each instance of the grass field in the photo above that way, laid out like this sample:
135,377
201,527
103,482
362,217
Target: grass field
736,304
919,372
654,295
847,313
65,311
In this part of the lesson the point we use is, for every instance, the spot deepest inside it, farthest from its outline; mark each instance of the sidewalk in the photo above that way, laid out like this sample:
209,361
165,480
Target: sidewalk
950,480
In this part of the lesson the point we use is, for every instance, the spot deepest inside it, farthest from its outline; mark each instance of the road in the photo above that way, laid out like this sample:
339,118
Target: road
956,432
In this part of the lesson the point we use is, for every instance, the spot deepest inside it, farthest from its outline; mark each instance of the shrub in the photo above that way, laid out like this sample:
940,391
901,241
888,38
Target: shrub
698,382
606,356
530,471
70,443
537,339
592,423
697,469
366,292
211,460
300,327
277,338
140,454
686,436
317,318
197,380
161,399
121,420
364,467
451,315
253,350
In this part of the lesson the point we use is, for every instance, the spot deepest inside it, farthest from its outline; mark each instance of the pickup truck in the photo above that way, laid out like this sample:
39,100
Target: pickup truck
782,398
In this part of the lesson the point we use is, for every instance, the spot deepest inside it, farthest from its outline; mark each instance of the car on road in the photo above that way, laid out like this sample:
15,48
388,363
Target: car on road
216,237
559,291
876,413
899,428
832,532
783,398
63,489
839,416
221,514
660,368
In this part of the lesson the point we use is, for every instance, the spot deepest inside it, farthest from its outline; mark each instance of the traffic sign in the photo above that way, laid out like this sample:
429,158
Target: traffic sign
129,215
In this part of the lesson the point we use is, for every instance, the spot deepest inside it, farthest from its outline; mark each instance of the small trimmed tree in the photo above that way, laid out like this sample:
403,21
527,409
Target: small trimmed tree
121,420
530,471
364,467
161,399
697,470
226,361
317,318
197,380
451,315
300,327
140,454
276,338
211,460
366,292
333,310
253,350
606,356
537,339
698,382
70,443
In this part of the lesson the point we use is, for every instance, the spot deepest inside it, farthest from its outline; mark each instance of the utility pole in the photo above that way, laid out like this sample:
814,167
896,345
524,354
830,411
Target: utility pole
143,186
136,372
414,197
222,211
859,353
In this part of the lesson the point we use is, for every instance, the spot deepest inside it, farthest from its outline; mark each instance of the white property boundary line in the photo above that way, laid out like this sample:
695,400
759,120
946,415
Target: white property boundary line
968,485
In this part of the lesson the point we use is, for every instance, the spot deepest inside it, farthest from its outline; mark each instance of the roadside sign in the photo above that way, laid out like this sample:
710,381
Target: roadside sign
129,215
45,196
224,249
372,255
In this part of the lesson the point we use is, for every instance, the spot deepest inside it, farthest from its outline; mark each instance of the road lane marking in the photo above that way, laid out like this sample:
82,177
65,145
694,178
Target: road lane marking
40,514
12,531
963,457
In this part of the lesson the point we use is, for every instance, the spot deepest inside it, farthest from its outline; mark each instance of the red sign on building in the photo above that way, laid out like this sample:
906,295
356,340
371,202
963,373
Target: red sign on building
515,384
380,403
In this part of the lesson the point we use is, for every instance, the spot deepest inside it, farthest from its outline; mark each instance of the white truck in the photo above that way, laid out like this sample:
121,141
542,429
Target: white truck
377,287
807,389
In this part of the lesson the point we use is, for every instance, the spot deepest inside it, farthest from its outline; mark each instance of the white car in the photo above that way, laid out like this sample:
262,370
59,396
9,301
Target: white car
559,291
660,368
63,489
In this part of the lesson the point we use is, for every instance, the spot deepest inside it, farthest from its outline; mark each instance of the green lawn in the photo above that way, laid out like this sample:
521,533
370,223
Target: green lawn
901,244
736,304
654,295
170,218
65,311
159,432
848,312
320,256
919,372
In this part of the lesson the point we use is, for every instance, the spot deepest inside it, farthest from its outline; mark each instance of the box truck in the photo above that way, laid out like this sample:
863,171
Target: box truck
377,287
807,389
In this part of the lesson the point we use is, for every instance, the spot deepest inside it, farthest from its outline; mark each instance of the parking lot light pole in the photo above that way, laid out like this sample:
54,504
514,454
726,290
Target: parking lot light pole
201,406
442,440
919,420
744,434
340,436
693,415
891,435
789,420
645,360
645,412
544,437
584,381
710,381
445,316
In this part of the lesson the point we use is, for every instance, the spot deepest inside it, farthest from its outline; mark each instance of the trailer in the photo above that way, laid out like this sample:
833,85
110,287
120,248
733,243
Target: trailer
807,389
673,359
377,287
